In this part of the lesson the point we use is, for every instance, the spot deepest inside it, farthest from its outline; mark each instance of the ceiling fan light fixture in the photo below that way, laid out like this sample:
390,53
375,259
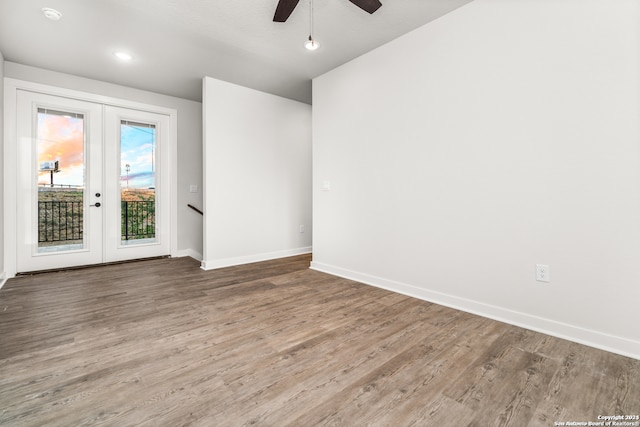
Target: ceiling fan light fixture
311,44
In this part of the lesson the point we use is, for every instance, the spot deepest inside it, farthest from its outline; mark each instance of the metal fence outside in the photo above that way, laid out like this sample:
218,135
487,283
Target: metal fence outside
138,220
63,221
59,221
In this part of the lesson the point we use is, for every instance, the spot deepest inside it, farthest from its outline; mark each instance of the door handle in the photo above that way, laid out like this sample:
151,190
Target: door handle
97,205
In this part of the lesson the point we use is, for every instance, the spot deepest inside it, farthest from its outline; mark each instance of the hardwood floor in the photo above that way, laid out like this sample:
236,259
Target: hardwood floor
163,343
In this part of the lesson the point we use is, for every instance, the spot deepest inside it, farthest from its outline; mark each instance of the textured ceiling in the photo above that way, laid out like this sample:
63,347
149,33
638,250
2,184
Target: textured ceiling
177,42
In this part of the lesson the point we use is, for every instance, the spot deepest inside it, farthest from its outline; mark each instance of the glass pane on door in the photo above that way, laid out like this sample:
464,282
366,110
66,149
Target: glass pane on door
61,180
137,183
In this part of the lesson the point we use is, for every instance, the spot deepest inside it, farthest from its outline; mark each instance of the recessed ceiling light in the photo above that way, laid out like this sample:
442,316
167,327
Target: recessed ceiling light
51,14
123,56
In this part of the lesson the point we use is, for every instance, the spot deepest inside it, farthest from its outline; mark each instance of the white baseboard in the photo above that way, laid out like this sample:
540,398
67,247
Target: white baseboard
190,253
3,279
613,344
248,259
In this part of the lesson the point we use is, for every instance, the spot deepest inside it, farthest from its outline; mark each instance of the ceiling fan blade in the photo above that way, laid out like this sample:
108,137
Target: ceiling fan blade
284,9
367,5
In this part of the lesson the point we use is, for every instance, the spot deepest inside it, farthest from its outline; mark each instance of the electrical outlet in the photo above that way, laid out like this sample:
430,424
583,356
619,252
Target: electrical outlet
193,188
543,273
302,228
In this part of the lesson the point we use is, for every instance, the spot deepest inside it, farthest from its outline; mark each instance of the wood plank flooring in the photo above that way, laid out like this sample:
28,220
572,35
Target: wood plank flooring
163,343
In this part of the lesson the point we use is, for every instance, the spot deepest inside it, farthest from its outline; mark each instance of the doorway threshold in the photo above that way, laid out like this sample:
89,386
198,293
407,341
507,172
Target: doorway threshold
81,267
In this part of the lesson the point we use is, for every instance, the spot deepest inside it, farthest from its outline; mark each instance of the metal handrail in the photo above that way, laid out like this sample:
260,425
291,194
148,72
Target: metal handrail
195,209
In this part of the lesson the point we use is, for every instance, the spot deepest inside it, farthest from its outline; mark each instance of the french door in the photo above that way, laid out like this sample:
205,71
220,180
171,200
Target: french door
92,183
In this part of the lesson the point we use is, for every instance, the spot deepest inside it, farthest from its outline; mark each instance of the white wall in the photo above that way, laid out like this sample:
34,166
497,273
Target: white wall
2,271
502,135
189,141
257,174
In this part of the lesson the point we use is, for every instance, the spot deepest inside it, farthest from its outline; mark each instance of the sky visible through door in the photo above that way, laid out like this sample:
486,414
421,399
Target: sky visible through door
61,180
61,139
137,150
137,182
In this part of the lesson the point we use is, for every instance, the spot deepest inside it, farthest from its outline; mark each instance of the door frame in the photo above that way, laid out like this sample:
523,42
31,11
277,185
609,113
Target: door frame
10,157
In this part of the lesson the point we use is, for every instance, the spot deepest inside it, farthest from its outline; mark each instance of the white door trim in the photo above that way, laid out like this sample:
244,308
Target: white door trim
10,200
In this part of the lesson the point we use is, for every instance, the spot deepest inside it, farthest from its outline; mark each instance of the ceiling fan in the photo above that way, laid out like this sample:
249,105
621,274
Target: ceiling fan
285,7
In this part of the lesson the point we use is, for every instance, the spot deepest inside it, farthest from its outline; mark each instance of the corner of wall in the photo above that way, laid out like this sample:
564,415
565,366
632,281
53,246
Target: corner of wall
2,270
189,253
204,169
